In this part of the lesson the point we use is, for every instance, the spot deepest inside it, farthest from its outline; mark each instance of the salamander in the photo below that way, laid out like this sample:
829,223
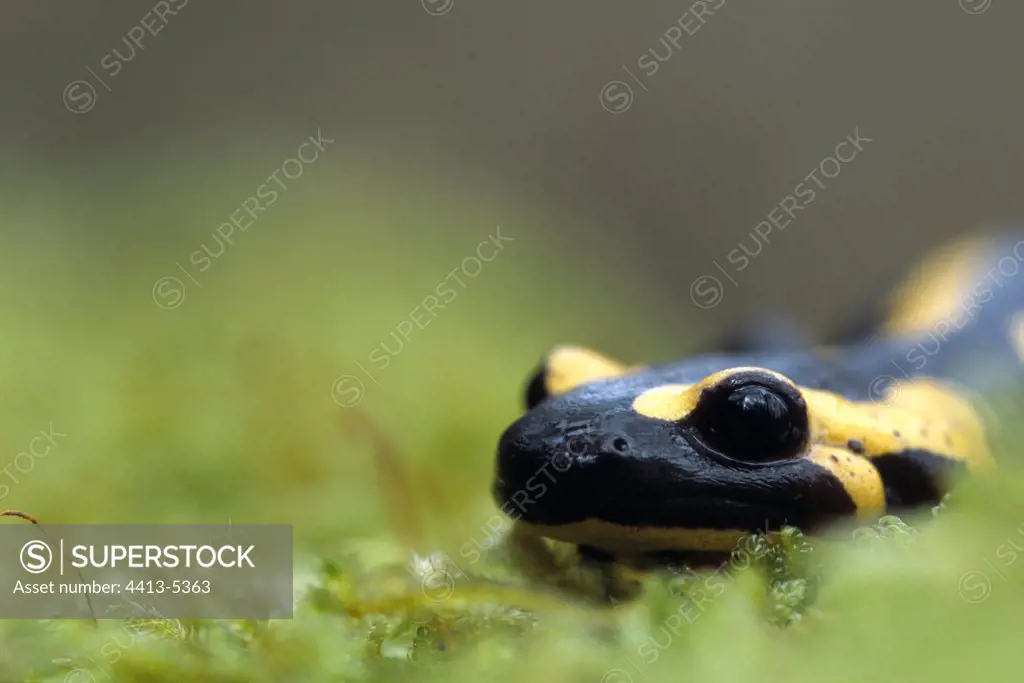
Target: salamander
690,456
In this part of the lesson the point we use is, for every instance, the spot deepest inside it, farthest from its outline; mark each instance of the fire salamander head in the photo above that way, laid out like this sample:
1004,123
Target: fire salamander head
617,458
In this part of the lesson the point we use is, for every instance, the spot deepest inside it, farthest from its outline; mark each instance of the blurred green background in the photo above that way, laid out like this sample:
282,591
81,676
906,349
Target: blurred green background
216,399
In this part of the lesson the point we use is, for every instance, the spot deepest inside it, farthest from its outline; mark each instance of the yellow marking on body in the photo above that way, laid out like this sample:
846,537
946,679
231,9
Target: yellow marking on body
619,538
918,414
1016,332
569,367
674,401
859,478
935,290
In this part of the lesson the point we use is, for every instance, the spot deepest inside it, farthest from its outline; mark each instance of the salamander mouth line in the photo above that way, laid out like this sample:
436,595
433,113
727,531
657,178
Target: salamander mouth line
603,513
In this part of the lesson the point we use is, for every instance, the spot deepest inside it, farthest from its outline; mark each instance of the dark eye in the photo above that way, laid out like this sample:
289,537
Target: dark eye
753,417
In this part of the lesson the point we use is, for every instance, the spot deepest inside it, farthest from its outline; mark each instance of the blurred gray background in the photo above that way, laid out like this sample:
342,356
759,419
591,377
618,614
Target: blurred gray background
508,95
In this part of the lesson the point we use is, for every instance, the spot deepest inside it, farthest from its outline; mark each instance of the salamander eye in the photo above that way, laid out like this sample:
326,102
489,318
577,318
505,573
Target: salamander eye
754,417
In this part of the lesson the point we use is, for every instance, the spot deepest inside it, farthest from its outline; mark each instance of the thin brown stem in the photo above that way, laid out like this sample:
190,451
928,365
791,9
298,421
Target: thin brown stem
29,518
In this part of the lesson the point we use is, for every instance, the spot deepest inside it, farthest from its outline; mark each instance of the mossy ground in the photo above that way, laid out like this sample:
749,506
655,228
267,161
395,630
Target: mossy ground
223,408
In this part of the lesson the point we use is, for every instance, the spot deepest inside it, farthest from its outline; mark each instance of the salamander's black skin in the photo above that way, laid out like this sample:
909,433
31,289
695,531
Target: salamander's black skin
688,456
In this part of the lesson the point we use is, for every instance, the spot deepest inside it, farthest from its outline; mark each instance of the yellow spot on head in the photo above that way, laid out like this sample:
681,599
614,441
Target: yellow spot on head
569,367
674,401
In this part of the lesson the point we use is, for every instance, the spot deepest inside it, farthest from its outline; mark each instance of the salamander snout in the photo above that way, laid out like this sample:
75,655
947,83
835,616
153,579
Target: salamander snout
549,470
532,461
